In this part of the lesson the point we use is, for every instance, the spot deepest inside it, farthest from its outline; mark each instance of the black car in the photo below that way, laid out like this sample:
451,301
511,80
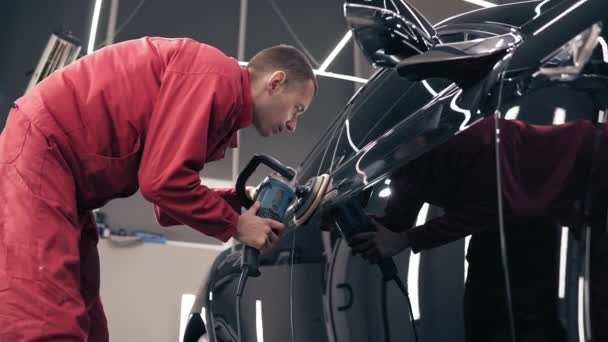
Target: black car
543,62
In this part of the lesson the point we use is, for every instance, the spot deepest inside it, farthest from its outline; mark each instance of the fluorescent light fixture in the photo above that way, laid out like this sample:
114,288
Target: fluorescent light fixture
386,192
563,254
559,117
94,23
340,76
206,246
559,17
466,263
259,323
481,3
336,51
184,313
512,113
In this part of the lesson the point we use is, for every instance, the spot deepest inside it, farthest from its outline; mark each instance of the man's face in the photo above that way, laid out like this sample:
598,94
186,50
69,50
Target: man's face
280,104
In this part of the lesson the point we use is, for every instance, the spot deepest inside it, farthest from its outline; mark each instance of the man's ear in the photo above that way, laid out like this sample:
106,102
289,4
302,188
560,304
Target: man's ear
276,81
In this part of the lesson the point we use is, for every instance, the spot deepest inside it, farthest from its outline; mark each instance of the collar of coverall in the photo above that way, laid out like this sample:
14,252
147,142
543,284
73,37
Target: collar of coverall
245,115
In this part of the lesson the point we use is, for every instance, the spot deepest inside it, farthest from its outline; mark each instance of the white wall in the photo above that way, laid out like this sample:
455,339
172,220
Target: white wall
141,287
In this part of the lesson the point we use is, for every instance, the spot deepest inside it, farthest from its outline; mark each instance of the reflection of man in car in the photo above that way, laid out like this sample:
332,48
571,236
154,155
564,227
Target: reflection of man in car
144,113
545,171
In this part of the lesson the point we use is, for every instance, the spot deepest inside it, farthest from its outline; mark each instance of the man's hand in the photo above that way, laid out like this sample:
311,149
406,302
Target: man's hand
255,231
375,246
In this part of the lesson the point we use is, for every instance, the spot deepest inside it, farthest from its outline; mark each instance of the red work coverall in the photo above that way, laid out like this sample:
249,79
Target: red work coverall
144,113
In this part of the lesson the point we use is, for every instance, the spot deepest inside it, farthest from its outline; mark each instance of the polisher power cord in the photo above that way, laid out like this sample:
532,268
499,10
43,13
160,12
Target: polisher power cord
501,223
403,289
239,291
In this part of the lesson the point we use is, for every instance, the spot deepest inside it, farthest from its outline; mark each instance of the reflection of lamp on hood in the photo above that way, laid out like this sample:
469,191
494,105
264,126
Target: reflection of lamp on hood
568,61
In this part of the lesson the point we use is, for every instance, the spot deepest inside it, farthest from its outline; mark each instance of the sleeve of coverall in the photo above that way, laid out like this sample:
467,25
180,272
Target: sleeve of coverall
452,226
228,194
403,205
175,151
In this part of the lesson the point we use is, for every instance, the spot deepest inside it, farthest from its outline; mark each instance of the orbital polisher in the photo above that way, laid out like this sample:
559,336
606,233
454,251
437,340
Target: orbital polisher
276,194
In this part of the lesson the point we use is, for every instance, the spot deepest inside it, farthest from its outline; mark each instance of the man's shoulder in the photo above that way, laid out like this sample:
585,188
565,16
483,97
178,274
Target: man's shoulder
193,57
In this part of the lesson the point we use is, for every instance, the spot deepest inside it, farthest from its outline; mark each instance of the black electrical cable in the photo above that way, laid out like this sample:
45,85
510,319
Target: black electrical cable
385,322
501,227
293,253
239,292
403,289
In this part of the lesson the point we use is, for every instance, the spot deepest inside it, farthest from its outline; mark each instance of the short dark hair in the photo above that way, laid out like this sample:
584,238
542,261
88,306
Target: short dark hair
282,57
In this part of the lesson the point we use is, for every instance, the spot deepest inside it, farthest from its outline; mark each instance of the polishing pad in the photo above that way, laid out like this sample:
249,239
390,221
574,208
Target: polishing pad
312,194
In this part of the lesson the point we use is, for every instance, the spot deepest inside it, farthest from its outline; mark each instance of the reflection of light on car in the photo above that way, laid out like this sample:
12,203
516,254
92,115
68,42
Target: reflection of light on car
512,113
466,263
429,88
467,113
538,8
414,15
604,46
184,313
387,181
358,167
386,192
559,17
581,309
559,117
414,264
481,3
350,139
563,253
259,323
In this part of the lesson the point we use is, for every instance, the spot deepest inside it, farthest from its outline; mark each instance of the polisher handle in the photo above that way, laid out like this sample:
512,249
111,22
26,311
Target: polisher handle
251,260
388,268
250,256
253,164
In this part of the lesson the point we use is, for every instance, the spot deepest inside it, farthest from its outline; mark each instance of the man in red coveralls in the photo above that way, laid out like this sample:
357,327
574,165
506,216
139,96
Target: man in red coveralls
145,113
545,171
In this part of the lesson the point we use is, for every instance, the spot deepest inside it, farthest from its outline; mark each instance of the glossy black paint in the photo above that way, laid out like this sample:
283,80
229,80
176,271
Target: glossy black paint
389,31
